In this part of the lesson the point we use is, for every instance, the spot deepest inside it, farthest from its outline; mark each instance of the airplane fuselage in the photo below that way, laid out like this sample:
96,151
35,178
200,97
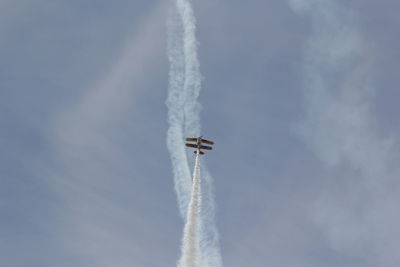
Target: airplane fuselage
199,144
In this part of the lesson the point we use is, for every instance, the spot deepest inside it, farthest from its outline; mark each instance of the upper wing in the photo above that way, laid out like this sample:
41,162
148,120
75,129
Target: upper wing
191,139
207,142
206,147
191,145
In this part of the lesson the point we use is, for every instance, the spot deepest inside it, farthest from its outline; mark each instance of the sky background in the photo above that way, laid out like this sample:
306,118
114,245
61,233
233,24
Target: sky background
299,96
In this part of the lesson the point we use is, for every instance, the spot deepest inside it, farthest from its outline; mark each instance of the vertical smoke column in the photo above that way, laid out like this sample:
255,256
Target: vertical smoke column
176,115
184,121
184,89
190,243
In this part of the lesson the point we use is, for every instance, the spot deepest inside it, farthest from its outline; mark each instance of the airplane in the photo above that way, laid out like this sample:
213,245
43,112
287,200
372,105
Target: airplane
199,144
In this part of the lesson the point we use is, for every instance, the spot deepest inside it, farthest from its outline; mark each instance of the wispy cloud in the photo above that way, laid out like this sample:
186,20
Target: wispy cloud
355,209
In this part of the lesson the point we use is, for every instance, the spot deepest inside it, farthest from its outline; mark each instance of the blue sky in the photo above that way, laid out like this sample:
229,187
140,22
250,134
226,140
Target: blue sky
299,96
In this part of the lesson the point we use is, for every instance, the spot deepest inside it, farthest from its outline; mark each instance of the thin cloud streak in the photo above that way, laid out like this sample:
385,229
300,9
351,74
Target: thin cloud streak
90,161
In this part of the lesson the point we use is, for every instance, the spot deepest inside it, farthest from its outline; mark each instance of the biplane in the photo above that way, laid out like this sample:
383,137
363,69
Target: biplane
199,144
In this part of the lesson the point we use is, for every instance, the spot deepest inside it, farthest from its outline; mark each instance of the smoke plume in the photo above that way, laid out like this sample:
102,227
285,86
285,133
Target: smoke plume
184,120
190,243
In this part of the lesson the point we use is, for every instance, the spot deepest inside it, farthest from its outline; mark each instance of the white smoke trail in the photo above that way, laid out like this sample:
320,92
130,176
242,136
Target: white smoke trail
176,116
190,243
184,120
